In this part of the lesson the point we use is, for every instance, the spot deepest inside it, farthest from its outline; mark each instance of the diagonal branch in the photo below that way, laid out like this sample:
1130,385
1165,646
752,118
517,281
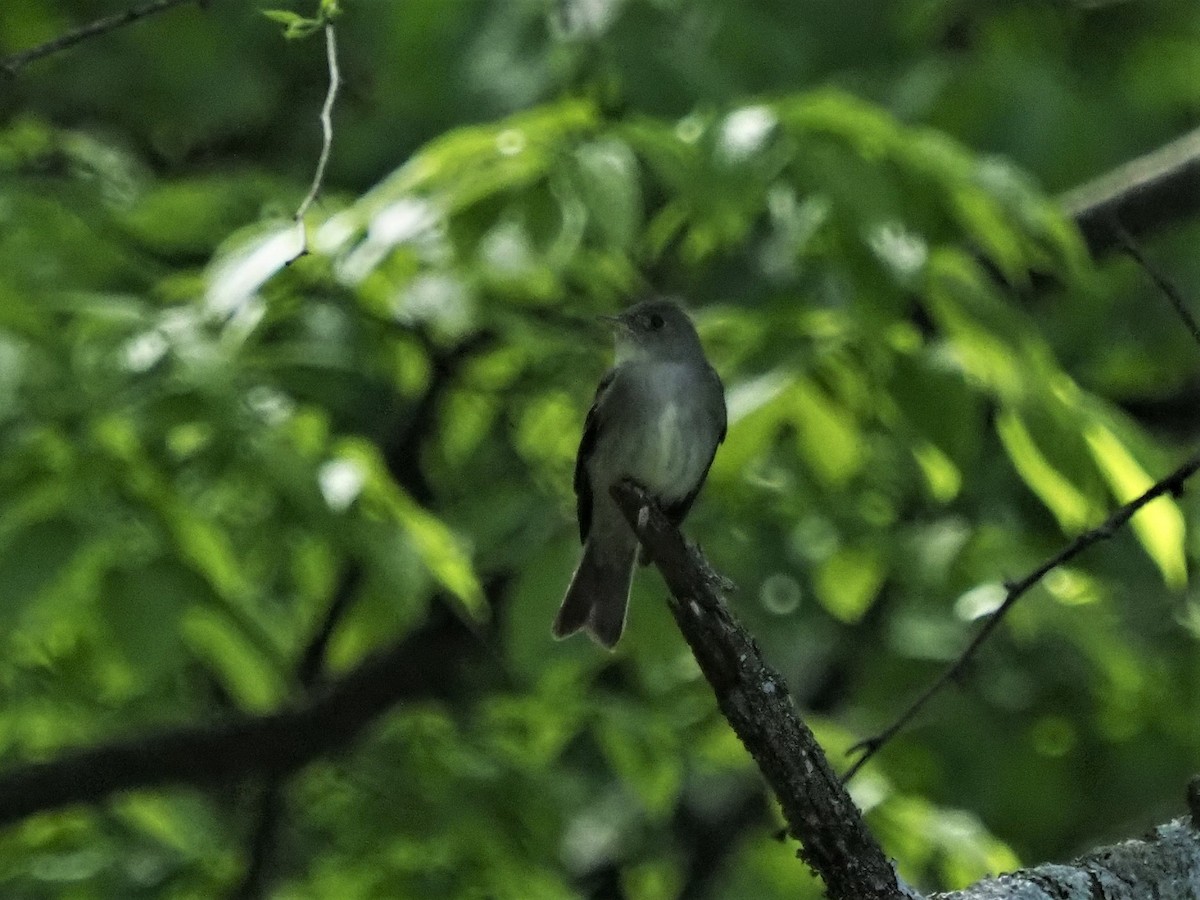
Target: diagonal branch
754,699
1164,284
1144,195
1172,484
13,64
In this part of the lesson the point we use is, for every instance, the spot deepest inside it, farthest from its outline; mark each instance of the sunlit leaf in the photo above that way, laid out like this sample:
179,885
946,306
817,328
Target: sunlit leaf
848,581
294,25
829,437
942,476
440,549
1070,505
607,173
1159,526
471,163
241,668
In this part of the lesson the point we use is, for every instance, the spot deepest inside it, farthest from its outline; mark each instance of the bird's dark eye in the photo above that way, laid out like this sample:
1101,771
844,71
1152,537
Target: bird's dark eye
656,321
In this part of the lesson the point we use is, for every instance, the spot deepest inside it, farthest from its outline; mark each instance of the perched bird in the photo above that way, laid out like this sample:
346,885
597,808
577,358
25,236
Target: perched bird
658,416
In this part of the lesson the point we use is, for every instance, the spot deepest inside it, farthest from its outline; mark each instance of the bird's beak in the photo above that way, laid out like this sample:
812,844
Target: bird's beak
615,322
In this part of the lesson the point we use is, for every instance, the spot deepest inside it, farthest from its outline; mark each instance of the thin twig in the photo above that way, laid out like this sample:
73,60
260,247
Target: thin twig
1172,484
1130,246
14,63
335,81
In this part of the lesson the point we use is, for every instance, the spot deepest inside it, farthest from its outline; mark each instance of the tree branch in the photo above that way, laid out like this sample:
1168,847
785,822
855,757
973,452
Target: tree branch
241,746
272,802
1172,484
755,700
1144,195
14,63
1165,865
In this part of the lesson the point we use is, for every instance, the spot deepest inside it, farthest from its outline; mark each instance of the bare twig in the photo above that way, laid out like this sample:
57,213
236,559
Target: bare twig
14,63
1173,295
754,699
335,81
1172,484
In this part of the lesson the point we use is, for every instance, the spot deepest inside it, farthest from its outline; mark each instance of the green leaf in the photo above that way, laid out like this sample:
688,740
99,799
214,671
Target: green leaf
608,183
469,164
927,836
986,225
941,474
638,747
294,25
1070,506
990,343
1159,525
210,551
441,551
184,822
31,559
283,16
847,582
245,673
829,437
192,215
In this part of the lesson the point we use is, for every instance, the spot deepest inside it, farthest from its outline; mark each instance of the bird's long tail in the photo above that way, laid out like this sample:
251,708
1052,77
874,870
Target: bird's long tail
598,596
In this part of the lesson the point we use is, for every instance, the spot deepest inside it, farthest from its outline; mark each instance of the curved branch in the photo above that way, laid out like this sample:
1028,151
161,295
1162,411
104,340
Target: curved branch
754,699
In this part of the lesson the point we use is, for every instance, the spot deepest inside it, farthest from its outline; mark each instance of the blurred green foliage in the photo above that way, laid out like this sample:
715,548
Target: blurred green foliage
198,441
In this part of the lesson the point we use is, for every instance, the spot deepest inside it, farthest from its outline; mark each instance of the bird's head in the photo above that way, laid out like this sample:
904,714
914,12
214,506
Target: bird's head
655,329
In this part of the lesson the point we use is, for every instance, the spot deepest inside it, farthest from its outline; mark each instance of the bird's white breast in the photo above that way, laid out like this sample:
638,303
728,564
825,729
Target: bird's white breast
665,447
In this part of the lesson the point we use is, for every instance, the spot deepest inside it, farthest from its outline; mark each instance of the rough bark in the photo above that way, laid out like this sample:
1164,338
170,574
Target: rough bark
1165,865
754,699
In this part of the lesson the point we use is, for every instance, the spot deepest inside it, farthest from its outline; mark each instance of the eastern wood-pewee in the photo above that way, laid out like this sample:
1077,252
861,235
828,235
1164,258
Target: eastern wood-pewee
657,419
